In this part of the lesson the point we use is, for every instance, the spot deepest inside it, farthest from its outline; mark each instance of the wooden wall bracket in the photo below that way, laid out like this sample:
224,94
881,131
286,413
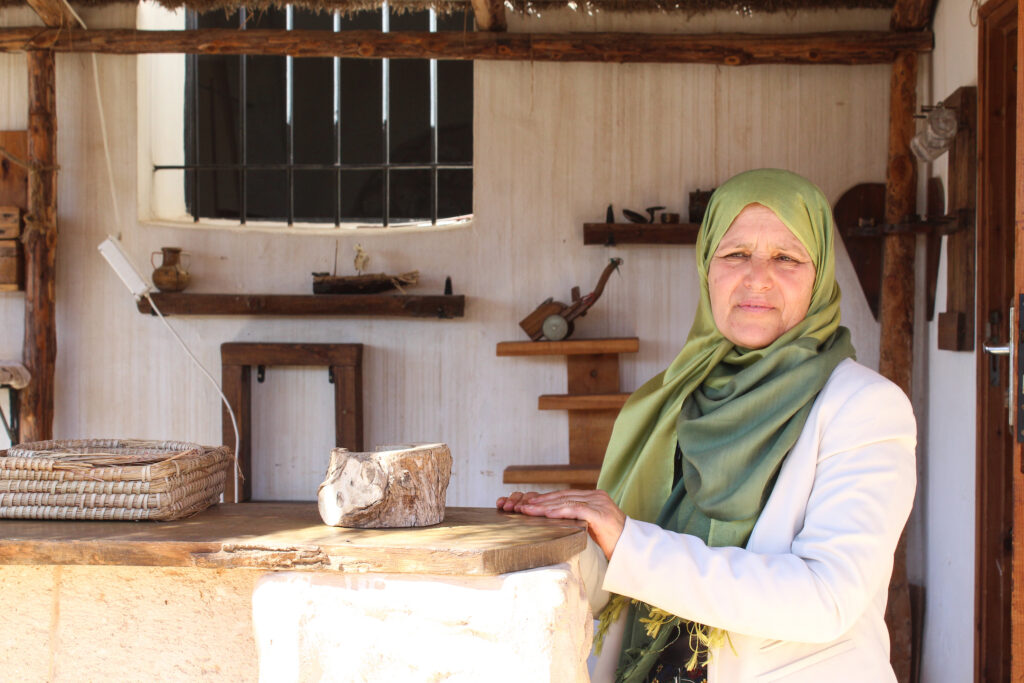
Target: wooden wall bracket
956,323
593,401
860,220
237,359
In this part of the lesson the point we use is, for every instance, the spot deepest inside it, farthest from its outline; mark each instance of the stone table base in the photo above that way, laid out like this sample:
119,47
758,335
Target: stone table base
531,625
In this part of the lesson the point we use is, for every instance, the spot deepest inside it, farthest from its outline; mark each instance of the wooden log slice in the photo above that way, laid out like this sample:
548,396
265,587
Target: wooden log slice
394,486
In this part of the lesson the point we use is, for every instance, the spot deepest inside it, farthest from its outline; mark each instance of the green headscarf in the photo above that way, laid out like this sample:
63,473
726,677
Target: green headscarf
734,412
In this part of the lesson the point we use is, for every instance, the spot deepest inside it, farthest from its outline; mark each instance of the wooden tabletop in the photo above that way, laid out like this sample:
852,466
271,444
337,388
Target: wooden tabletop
291,536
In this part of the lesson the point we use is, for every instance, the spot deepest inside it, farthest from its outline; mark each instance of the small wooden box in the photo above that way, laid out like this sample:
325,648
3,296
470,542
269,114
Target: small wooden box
10,222
12,266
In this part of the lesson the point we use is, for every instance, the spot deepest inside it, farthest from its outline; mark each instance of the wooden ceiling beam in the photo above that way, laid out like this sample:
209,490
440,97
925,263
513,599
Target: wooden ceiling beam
911,15
54,13
490,15
736,49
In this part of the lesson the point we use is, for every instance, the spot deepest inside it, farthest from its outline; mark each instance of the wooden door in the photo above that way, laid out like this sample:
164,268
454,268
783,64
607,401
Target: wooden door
1017,596
997,87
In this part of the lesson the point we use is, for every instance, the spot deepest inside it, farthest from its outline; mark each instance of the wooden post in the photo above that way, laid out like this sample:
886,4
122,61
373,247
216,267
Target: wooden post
40,346
896,316
54,13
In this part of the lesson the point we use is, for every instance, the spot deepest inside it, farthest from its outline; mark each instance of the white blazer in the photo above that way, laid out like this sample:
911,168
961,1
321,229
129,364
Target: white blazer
804,602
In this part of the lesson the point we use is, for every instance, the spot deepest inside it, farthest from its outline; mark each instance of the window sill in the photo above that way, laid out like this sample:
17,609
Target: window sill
312,229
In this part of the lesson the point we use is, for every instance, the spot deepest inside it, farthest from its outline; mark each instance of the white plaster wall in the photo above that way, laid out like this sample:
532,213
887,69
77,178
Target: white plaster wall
70,624
555,143
13,116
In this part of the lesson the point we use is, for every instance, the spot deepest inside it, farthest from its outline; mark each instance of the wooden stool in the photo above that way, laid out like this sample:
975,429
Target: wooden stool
346,370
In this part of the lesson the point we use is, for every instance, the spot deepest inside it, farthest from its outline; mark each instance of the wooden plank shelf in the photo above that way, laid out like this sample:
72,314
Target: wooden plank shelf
613,234
396,305
593,401
577,475
570,347
582,402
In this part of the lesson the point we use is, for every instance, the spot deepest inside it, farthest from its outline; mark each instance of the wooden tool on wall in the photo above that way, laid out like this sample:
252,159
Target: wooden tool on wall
553,320
956,323
860,221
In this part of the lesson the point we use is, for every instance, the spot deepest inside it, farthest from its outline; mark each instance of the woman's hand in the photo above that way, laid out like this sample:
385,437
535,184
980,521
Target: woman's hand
604,519
513,501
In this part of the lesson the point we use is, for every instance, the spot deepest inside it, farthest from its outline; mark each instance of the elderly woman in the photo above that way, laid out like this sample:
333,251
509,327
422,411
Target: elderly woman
753,493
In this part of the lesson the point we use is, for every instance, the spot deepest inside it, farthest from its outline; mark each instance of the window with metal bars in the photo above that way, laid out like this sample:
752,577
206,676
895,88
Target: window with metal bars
327,140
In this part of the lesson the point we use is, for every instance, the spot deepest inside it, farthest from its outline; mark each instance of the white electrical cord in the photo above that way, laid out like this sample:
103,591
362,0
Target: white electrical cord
231,413
117,221
103,120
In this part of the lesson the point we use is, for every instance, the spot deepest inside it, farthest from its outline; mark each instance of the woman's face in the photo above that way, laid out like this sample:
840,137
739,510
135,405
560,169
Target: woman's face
760,279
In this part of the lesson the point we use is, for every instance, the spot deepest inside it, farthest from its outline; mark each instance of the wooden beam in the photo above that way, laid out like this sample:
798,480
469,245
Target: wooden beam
911,15
896,318
897,314
54,13
40,239
490,15
732,49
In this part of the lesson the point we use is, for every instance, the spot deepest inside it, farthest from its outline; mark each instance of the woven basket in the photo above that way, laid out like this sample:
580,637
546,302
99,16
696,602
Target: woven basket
116,479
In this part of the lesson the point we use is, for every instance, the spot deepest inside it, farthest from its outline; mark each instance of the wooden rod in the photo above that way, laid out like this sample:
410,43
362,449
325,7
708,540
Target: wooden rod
54,13
896,318
40,345
733,49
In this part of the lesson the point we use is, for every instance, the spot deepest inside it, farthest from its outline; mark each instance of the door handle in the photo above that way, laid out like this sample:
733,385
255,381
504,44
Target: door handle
1009,350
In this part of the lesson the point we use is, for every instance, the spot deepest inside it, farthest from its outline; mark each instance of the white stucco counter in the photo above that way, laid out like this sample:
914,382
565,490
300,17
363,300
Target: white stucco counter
266,591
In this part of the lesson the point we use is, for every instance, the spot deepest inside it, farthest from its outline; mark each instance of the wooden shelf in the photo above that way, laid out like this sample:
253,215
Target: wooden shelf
582,402
612,234
593,401
571,347
579,475
399,305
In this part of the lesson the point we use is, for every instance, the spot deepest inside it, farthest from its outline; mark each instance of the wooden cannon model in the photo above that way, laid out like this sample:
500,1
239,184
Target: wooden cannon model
552,320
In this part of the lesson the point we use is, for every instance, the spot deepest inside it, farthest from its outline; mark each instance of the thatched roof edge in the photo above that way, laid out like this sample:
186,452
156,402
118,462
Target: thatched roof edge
528,7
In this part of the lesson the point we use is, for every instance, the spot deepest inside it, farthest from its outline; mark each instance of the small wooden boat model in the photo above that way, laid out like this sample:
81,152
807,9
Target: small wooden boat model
370,283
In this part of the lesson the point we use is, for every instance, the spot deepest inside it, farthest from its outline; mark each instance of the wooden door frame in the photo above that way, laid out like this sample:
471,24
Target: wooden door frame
995,288
1017,595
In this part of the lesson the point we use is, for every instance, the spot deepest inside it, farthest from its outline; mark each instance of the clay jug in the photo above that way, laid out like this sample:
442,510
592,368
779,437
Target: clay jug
170,275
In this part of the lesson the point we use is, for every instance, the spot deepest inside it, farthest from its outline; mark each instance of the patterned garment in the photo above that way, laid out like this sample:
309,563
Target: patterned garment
671,665
670,673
